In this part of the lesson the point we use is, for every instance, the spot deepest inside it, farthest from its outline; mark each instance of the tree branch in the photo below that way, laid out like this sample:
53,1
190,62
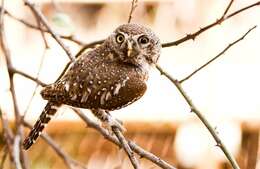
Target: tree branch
29,25
36,80
133,6
137,149
203,29
227,8
126,147
217,56
201,117
44,21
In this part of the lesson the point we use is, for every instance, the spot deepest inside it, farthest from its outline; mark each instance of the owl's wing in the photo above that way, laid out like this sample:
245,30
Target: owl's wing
95,82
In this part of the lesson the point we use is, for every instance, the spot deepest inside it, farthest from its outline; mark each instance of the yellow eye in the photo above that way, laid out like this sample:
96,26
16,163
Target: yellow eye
120,38
143,40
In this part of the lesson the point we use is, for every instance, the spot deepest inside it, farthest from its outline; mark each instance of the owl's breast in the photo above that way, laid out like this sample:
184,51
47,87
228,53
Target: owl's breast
123,92
124,85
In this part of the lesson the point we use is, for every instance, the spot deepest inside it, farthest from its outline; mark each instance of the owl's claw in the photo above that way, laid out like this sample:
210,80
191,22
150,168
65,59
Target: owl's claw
108,120
112,122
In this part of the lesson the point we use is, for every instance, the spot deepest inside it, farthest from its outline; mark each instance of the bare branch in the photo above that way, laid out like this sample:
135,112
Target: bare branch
36,80
227,9
126,147
217,56
2,34
203,29
137,149
46,24
41,30
242,10
201,117
133,6
29,25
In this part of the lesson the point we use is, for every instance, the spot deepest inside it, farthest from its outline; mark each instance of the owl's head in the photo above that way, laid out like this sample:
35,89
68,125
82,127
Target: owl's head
135,44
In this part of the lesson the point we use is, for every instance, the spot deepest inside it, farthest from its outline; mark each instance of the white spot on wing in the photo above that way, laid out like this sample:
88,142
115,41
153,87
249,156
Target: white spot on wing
124,81
102,98
108,95
84,97
118,86
116,91
74,97
67,86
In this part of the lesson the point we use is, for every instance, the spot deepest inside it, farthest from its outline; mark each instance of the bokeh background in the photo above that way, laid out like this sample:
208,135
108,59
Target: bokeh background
227,91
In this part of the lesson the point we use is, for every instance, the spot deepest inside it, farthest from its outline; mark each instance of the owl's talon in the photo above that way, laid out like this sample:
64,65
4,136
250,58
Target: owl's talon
112,122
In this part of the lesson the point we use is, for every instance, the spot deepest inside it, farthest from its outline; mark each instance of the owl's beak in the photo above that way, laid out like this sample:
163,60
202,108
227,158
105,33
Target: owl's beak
129,48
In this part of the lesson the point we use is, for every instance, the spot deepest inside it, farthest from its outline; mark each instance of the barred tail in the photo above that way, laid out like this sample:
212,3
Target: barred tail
49,110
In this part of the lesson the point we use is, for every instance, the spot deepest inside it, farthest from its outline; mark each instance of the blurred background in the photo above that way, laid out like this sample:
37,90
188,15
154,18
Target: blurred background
227,91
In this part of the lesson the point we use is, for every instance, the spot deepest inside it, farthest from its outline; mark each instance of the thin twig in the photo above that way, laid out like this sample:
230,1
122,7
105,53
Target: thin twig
203,29
64,156
133,6
227,8
201,117
217,56
46,24
41,30
36,80
126,147
137,149
29,25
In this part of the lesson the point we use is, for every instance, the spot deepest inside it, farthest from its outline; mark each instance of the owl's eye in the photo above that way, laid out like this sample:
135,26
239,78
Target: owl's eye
143,40
120,38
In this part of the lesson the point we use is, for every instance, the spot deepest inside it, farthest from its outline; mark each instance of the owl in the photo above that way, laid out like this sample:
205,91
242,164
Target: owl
108,77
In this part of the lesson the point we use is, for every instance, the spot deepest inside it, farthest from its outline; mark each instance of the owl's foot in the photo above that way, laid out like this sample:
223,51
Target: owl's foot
113,122
108,120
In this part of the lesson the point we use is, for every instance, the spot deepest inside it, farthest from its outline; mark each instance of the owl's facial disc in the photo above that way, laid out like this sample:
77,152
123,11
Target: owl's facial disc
135,44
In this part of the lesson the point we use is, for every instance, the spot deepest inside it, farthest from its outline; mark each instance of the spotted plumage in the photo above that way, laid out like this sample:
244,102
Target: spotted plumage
109,77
